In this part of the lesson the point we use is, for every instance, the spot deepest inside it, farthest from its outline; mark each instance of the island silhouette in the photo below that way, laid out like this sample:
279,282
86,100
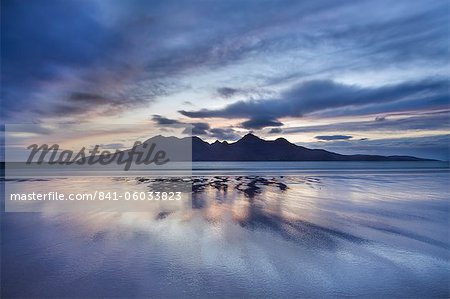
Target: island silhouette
253,148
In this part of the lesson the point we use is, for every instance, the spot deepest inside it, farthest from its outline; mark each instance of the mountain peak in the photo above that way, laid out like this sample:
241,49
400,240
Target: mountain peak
282,140
249,137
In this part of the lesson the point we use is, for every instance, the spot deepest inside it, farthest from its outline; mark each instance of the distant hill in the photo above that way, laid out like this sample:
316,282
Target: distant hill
253,148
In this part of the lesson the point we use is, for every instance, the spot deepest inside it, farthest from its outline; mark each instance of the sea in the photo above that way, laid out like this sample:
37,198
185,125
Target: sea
248,229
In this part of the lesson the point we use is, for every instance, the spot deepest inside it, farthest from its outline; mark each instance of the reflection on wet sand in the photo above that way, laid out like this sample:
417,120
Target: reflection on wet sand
245,198
309,236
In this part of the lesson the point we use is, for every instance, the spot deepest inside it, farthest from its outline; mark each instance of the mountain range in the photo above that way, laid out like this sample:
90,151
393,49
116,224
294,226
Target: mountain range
253,148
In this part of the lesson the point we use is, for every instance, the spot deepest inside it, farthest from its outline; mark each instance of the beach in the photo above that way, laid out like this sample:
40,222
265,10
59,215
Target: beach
308,233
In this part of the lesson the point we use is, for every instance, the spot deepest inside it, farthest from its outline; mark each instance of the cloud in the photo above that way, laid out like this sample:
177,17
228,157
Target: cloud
203,129
200,128
34,52
427,121
402,38
275,131
320,95
161,120
224,134
91,104
227,92
197,128
35,128
130,53
88,97
333,99
258,123
112,146
333,137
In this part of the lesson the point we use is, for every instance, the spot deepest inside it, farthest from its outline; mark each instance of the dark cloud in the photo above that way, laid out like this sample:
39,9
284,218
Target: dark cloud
227,92
244,92
161,120
200,128
224,134
42,39
333,137
275,131
88,97
131,52
204,129
321,95
93,103
197,128
258,123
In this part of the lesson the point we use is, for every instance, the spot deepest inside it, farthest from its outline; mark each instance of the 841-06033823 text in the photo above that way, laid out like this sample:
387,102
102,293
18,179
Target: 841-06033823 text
98,195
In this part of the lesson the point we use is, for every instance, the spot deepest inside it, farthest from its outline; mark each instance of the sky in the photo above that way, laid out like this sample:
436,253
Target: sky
348,76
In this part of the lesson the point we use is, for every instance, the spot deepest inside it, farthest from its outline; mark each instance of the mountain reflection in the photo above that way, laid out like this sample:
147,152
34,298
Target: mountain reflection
255,203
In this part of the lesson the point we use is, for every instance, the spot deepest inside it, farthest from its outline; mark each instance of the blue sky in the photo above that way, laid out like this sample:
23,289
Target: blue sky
350,76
